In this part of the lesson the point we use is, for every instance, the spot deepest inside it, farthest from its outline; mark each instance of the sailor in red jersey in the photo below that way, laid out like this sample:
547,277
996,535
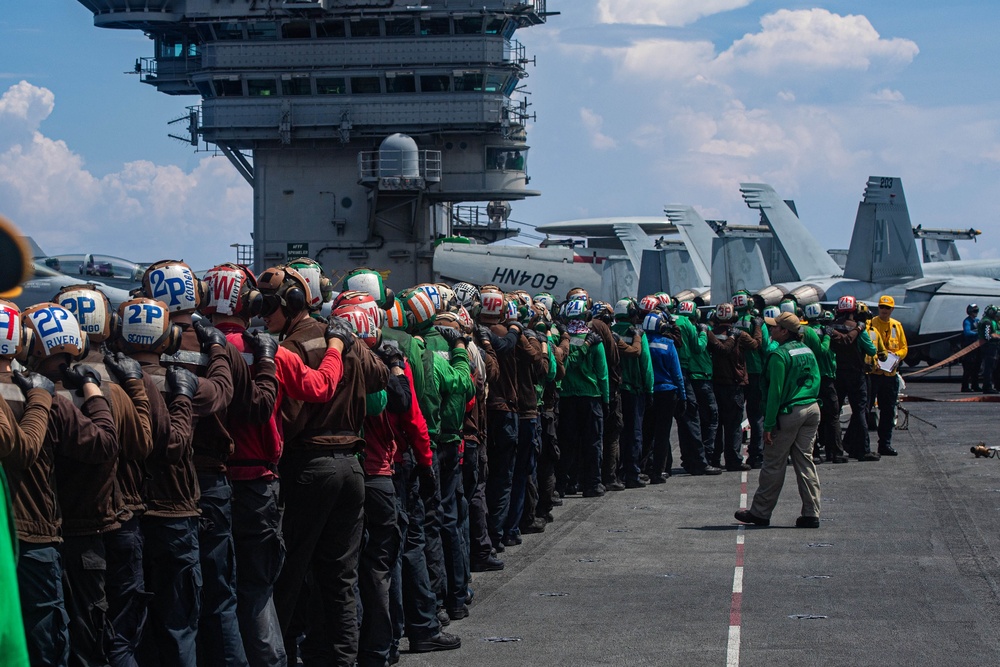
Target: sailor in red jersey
232,300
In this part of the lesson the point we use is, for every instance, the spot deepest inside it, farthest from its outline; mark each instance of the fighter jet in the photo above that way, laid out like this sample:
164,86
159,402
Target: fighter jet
44,283
882,259
114,271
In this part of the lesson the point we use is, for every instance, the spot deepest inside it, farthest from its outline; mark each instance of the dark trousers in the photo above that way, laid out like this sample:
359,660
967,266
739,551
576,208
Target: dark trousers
322,525
172,570
755,415
85,567
503,432
990,353
474,482
260,552
580,426
689,431
548,458
708,413
729,437
661,417
633,409
852,388
43,605
450,477
380,553
830,438
219,640
126,592
433,541
613,425
418,612
885,390
524,468
971,364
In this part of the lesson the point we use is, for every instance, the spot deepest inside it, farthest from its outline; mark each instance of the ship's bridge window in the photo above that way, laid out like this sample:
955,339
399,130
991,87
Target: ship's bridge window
400,82
295,84
400,27
494,83
228,87
295,30
494,26
262,30
262,87
468,80
435,83
365,85
331,29
364,28
470,25
171,48
505,158
331,85
435,26
229,31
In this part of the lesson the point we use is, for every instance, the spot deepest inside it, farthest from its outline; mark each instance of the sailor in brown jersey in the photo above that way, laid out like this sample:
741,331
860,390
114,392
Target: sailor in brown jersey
27,462
122,384
83,444
323,482
251,397
172,572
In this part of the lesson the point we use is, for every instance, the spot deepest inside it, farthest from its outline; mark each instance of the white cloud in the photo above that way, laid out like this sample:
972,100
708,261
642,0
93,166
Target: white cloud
593,123
888,95
143,209
786,96
662,12
814,39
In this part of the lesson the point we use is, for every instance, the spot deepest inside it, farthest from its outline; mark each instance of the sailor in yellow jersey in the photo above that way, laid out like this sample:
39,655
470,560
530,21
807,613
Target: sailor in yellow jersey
885,378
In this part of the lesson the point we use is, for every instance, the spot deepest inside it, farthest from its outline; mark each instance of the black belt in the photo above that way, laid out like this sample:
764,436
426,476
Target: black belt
254,463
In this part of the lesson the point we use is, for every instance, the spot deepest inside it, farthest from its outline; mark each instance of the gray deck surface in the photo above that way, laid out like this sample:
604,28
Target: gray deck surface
911,567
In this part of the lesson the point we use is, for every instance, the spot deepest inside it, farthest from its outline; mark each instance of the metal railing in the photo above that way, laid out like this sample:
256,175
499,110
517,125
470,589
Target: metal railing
399,168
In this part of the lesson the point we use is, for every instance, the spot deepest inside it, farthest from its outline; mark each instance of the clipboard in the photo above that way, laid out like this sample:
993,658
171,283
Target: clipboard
890,364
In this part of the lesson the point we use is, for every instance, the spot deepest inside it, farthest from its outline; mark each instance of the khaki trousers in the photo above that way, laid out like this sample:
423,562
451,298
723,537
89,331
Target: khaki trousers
794,435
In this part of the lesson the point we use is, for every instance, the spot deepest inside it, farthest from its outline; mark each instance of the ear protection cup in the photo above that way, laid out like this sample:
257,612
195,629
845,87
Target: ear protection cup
25,350
173,337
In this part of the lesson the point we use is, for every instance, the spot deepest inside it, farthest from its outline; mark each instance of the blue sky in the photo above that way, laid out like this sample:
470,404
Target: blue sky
640,103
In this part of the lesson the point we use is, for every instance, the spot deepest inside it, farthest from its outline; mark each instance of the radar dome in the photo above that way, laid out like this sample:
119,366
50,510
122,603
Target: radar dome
398,156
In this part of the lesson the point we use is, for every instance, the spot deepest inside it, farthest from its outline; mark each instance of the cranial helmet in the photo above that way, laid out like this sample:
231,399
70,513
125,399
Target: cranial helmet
232,291
92,310
284,287
742,300
465,320
546,300
418,306
395,316
51,329
493,303
648,304
971,308
666,301
175,284
433,293
368,280
847,304
651,322
574,309
788,306
579,293
771,312
362,300
603,311
725,312
626,309
320,287
687,308
11,332
360,319
813,311
144,326
466,294
449,300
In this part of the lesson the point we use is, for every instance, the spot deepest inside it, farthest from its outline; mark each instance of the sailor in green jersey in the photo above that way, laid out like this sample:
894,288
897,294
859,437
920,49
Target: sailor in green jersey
536,482
791,419
749,320
637,389
583,394
817,337
989,333
451,366
697,424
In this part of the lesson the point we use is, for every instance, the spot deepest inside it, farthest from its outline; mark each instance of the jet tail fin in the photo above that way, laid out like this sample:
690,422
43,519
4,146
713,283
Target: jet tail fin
882,245
697,237
737,263
668,270
805,255
939,250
